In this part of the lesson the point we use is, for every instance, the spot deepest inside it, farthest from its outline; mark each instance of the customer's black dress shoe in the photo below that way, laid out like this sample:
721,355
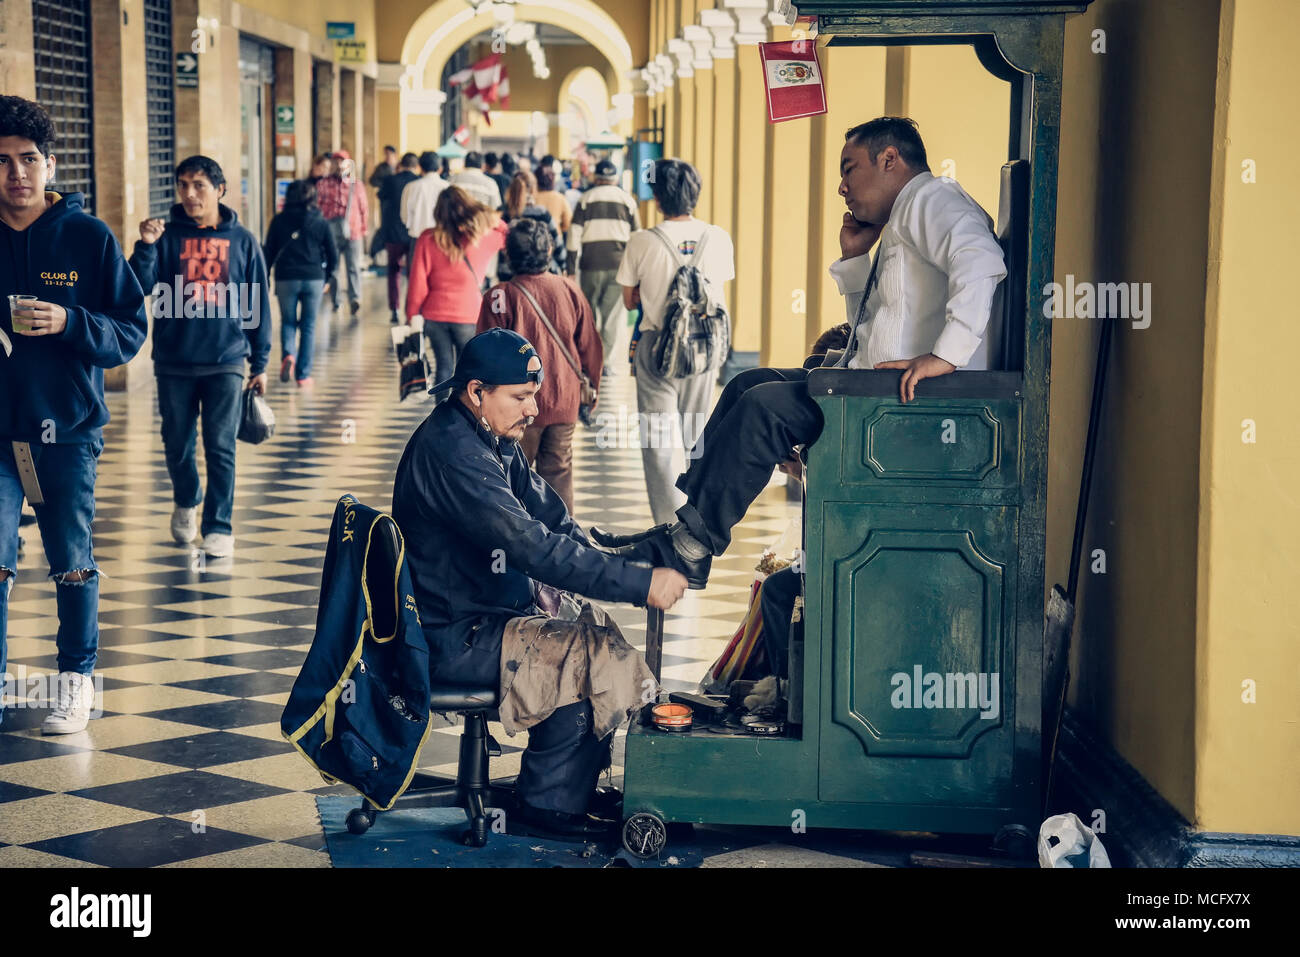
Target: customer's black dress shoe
563,826
607,804
658,550
611,540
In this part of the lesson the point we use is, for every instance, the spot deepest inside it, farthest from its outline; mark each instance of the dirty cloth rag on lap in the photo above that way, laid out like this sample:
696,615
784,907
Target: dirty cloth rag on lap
547,663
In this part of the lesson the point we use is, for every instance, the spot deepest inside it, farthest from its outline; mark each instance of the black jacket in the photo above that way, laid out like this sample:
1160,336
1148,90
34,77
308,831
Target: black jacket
559,255
52,387
300,245
480,526
391,229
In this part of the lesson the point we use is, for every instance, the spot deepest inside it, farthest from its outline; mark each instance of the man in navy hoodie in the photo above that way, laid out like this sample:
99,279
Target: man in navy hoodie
208,281
87,315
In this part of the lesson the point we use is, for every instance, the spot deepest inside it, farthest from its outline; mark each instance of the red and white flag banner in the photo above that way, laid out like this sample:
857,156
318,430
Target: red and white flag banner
793,77
487,71
461,135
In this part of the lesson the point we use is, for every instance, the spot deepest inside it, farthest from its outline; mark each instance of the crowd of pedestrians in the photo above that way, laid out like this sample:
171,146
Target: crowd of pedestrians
493,245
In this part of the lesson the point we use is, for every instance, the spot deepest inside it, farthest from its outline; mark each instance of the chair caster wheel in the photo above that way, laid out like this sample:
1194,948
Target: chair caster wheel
644,835
360,819
1016,841
474,836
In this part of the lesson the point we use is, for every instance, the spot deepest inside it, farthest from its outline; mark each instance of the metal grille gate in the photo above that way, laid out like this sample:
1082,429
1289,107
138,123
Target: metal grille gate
161,104
61,43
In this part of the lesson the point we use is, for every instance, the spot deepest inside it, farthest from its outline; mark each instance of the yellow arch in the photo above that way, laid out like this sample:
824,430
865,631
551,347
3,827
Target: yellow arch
448,24
593,112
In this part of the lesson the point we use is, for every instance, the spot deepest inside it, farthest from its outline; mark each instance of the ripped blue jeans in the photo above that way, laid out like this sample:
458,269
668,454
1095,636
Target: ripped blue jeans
67,478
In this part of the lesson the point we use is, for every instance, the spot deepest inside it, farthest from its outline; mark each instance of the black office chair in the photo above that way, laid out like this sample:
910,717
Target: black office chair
472,789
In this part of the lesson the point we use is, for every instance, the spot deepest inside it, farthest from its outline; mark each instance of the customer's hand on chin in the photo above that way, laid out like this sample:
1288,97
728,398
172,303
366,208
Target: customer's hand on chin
922,367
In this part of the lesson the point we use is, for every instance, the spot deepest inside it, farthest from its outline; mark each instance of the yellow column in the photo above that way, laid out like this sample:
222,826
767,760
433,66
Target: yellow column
668,102
748,195
785,236
723,161
1247,736
852,97
684,100
704,143
18,65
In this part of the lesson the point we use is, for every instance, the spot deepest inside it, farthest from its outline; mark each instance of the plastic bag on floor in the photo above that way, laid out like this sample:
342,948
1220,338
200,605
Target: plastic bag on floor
1065,841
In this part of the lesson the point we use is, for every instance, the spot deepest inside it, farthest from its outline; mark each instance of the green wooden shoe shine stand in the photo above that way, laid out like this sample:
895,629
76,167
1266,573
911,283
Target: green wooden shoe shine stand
925,529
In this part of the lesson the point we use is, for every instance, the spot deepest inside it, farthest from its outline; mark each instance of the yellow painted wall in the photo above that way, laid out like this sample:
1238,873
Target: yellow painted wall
529,93
786,236
962,112
1248,772
722,175
702,156
313,16
1134,206
854,94
751,148
17,61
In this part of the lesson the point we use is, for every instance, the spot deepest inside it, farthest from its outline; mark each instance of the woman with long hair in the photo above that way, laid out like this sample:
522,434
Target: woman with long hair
521,202
447,269
551,312
301,255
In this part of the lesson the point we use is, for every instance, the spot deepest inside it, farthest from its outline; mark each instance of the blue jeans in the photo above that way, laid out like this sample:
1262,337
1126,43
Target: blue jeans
67,478
180,400
296,329
447,339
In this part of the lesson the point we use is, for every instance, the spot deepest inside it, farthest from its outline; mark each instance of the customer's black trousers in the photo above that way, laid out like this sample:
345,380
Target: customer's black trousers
762,415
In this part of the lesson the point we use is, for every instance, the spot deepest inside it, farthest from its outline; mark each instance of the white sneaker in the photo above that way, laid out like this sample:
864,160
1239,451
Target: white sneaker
75,699
216,545
185,525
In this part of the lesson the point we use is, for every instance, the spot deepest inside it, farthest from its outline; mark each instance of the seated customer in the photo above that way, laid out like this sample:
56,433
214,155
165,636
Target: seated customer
483,531
924,313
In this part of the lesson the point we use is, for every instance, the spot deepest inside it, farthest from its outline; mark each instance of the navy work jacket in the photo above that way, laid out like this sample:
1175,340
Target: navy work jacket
481,527
359,709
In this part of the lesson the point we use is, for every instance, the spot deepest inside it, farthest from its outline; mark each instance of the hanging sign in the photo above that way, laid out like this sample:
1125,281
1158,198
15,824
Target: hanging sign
347,48
187,71
793,77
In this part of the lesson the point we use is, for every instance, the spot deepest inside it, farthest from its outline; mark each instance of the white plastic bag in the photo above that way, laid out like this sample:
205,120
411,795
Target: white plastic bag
1077,845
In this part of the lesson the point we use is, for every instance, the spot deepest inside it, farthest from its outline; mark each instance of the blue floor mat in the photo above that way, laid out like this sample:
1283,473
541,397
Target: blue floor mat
430,837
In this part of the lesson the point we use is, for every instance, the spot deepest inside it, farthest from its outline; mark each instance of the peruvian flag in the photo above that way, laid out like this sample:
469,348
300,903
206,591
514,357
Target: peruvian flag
484,84
461,135
793,77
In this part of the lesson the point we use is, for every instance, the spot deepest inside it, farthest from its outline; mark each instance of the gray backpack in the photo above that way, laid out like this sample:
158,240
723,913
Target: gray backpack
696,333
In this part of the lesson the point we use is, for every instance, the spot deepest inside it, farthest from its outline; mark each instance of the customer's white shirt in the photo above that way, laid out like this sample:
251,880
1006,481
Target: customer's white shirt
418,199
482,187
940,266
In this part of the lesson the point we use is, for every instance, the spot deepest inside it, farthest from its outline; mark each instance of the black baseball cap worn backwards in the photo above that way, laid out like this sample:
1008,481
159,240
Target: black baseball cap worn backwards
496,357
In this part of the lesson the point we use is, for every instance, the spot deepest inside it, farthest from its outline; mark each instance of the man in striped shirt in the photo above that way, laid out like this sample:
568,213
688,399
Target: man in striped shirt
606,216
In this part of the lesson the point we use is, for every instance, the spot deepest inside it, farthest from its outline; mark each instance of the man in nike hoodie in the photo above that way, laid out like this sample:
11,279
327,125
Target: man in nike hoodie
208,281
88,316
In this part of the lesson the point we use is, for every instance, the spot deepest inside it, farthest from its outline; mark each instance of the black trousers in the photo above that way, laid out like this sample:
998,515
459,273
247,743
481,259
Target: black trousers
562,763
776,599
762,415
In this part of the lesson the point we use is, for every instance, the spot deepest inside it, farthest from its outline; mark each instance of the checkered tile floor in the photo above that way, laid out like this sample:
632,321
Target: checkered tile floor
187,767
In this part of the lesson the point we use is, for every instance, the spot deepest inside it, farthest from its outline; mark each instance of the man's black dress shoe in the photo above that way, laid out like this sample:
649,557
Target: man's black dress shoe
610,540
563,826
658,550
607,803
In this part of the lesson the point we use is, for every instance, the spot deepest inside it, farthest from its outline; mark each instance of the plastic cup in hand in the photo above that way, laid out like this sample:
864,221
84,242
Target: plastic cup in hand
23,304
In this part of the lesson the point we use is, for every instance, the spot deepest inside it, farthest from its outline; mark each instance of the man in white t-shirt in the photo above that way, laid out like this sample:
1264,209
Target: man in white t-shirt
922,306
672,410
